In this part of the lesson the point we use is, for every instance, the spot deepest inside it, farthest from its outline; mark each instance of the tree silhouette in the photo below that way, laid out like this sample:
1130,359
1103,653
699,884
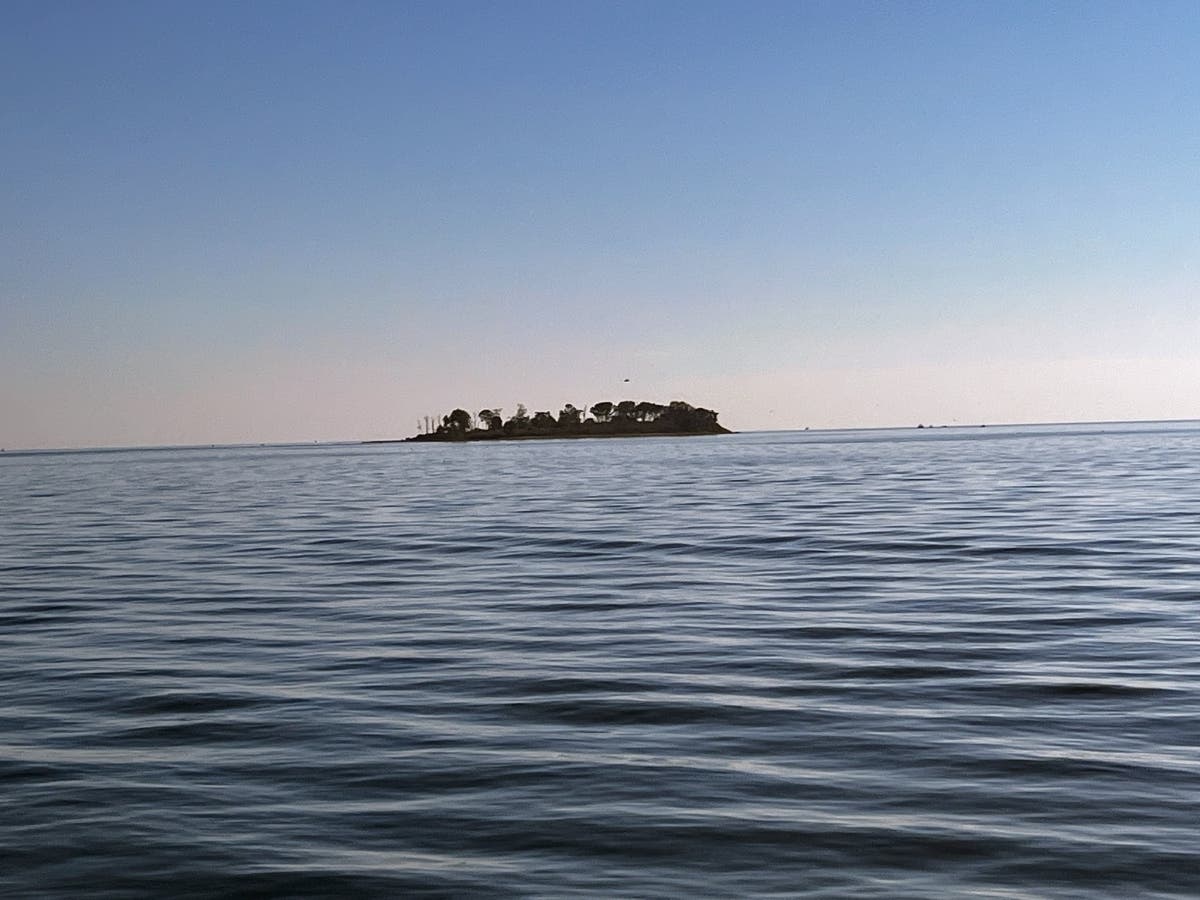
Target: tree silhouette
602,411
682,416
626,417
458,421
648,412
570,417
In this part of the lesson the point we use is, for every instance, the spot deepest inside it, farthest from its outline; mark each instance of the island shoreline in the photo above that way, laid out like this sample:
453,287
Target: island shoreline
486,439
607,419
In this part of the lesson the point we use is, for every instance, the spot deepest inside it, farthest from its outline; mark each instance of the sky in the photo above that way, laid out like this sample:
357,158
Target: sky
295,221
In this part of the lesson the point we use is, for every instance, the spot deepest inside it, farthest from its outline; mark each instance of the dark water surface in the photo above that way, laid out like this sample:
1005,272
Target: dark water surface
949,663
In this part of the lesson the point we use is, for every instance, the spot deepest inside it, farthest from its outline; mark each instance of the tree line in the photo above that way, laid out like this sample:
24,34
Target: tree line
604,418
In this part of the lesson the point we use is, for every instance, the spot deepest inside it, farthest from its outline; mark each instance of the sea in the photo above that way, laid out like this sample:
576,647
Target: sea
909,663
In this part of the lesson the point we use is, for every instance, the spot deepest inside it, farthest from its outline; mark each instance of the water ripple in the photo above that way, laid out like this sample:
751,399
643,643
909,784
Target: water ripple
869,664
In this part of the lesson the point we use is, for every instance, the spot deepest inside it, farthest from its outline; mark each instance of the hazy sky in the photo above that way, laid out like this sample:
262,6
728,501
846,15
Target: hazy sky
312,221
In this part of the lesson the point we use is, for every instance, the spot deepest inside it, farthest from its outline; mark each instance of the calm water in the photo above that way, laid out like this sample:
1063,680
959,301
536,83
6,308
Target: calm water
939,663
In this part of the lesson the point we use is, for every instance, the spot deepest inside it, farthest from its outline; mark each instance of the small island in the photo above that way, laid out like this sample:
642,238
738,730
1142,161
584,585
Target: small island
625,419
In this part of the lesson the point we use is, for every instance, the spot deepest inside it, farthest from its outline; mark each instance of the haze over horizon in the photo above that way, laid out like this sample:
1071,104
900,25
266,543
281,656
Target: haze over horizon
228,223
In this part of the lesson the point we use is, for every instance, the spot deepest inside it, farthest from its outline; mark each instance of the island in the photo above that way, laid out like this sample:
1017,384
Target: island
625,419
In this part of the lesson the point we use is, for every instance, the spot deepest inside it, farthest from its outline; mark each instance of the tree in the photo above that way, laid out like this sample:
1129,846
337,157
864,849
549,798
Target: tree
602,411
648,412
570,417
458,421
706,419
626,417
682,416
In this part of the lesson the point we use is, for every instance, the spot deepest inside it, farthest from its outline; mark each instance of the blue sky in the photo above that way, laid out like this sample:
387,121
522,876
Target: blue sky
318,221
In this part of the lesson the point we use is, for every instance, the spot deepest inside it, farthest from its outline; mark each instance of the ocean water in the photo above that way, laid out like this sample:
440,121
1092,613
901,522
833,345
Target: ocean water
936,663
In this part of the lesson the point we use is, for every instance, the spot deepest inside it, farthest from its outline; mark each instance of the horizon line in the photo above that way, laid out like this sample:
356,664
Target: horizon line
352,442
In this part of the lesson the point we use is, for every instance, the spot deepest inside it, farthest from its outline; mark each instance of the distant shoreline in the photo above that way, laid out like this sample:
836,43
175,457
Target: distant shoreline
489,438
816,430
604,419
